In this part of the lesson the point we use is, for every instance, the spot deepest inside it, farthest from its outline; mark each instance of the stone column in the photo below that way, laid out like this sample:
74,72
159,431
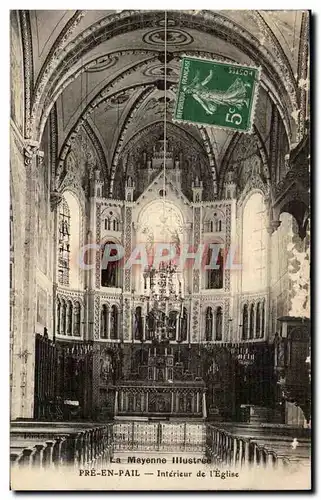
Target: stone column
204,405
108,323
94,275
24,336
262,325
196,277
197,402
178,324
116,403
254,320
94,236
55,200
93,393
172,402
127,274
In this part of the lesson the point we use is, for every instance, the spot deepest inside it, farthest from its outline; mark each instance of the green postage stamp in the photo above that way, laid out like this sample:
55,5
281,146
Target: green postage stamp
217,94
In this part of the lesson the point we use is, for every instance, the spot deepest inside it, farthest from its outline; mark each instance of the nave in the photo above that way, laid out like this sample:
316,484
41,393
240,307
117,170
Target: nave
117,444
211,358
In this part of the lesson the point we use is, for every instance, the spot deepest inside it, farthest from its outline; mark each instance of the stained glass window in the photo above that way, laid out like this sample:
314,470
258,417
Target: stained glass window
254,244
64,244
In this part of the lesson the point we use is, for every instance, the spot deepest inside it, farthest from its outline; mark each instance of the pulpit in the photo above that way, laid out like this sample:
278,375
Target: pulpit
292,361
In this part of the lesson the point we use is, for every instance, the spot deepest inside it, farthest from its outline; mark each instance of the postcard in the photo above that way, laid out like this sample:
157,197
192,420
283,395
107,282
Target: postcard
160,331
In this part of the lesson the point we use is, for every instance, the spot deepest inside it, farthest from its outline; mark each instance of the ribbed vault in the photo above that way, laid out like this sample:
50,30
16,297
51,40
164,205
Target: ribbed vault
101,74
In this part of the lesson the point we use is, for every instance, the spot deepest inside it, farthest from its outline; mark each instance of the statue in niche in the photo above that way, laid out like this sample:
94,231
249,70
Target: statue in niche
138,324
189,403
172,324
106,367
130,402
160,405
151,323
138,403
109,275
184,325
149,241
216,275
230,176
112,323
117,364
160,375
175,241
279,351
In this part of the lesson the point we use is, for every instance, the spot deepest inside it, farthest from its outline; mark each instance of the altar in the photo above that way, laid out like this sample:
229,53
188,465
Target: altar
179,399
161,388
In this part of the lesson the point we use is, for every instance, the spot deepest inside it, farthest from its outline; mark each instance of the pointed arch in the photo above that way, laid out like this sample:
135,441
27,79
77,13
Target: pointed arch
63,329
245,320
69,318
273,65
209,324
258,320
251,326
77,319
104,317
114,322
219,323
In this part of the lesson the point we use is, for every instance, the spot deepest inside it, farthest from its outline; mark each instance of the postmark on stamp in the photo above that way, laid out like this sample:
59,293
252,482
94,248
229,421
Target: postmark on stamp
217,94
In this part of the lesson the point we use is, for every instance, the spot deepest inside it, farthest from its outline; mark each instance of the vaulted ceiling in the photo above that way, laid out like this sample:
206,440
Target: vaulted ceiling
102,73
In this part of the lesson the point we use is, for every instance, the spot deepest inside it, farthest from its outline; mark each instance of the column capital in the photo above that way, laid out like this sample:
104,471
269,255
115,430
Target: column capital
273,226
55,199
30,150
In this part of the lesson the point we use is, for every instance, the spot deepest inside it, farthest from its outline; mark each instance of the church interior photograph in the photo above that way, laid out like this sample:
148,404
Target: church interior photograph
114,346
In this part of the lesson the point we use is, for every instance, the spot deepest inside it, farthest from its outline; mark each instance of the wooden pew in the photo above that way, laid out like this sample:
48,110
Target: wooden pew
239,445
50,444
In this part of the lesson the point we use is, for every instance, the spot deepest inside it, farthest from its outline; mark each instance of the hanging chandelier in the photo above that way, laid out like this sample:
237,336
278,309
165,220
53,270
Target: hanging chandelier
163,285
164,297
